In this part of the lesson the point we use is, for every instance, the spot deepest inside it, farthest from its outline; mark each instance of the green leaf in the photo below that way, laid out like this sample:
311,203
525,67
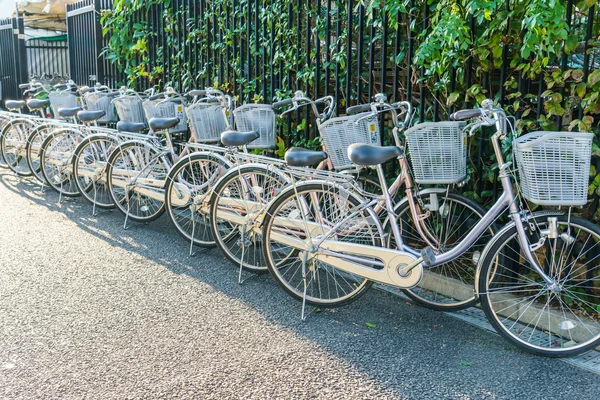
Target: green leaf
594,77
571,43
466,363
580,89
370,325
452,98
598,307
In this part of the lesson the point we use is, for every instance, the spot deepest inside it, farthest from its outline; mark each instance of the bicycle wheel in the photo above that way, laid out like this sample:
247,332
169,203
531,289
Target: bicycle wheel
236,207
12,145
4,120
187,194
559,321
302,215
55,161
136,175
34,145
450,217
89,168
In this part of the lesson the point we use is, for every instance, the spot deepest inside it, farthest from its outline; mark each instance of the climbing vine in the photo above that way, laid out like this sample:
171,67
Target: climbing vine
447,54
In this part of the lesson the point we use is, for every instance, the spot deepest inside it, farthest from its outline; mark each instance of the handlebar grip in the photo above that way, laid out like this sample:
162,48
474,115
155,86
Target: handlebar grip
283,103
85,89
24,86
465,114
156,96
196,93
358,109
60,86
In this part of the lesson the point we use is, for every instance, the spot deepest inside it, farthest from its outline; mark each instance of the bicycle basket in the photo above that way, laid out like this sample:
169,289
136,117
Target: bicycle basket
129,108
259,118
60,100
339,133
438,152
206,121
100,101
166,109
554,167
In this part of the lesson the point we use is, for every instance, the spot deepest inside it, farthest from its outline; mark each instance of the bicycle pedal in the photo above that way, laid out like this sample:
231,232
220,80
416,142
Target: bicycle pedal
428,255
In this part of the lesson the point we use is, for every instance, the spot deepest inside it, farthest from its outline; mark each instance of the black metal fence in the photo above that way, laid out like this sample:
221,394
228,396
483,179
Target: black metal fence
11,72
22,58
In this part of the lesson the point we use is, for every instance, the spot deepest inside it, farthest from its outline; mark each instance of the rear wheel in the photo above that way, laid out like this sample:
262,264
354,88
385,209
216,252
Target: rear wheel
239,200
450,217
12,145
89,168
187,194
302,215
56,161
556,321
136,176
34,145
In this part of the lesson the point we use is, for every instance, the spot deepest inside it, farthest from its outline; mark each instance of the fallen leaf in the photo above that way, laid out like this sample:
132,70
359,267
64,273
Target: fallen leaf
370,325
466,363
436,326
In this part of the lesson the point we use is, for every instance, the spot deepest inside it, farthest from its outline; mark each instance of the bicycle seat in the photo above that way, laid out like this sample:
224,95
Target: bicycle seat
36,104
367,154
300,157
68,112
235,138
89,116
14,104
125,126
157,124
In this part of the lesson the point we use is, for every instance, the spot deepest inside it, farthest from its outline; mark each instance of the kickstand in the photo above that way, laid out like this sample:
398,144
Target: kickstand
240,280
193,214
304,257
127,213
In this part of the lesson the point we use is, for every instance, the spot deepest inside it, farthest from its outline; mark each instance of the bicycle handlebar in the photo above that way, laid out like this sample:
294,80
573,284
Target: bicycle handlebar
24,85
358,109
466,114
196,93
283,103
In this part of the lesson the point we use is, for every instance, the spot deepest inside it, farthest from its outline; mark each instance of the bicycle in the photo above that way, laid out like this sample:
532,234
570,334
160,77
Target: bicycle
239,203
338,240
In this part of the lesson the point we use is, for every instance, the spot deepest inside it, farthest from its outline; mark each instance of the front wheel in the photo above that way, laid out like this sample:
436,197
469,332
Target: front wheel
559,320
449,218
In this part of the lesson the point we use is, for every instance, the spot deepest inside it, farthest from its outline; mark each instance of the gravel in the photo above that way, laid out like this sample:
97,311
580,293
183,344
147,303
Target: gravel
90,310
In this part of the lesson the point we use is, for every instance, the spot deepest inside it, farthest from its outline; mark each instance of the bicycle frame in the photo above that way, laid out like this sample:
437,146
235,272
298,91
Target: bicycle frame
398,264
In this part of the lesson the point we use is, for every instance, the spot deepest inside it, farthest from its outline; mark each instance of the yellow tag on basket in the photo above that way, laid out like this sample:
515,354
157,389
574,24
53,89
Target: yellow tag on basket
227,112
179,108
372,127
79,99
465,140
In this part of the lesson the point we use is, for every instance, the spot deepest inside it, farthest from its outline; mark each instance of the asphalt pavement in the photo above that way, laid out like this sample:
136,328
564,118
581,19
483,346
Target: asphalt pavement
90,310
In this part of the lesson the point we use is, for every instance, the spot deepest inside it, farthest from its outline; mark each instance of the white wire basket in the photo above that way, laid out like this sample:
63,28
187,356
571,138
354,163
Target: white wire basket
438,152
60,100
259,118
129,108
100,101
339,133
166,109
206,121
554,167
